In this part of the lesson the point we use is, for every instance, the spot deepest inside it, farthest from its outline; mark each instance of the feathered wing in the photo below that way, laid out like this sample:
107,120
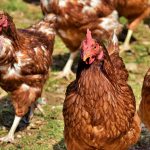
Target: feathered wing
36,46
144,107
119,66
122,76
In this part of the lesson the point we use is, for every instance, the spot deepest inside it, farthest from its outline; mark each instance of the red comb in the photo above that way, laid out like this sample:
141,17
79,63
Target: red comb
89,41
88,36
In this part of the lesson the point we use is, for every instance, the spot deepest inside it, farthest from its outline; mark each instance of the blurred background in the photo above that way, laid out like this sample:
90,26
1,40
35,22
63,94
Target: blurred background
46,133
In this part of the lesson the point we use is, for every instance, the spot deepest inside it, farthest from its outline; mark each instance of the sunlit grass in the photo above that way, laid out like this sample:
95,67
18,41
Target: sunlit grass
23,14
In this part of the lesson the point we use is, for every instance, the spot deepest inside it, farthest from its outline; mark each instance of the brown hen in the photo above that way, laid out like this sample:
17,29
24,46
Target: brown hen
144,108
74,17
25,58
99,109
100,16
135,11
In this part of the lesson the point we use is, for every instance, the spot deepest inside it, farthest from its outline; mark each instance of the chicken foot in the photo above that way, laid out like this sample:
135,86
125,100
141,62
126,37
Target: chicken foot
10,136
126,44
132,26
67,69
39,107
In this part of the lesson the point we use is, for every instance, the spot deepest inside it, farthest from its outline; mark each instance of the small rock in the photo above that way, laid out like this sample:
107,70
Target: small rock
4,128
29,134
132,67
57,107
39,122
42,101
19,136
31,126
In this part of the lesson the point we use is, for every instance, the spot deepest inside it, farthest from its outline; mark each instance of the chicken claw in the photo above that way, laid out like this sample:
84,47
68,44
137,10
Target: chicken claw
65,74
124,48
7,139
126,45
67,69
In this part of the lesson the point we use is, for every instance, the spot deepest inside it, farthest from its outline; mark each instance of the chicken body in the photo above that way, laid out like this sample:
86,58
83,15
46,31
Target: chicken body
100,16
99,109
25,58
73,19
144,108
135,11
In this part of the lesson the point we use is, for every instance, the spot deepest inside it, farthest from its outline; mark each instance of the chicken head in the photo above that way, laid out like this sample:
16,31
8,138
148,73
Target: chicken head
90,49
3,20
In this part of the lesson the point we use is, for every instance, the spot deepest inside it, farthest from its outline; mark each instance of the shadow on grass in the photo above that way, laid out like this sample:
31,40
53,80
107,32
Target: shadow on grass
144,140
60,145
123,34
147,21
36,2
7,114
60,60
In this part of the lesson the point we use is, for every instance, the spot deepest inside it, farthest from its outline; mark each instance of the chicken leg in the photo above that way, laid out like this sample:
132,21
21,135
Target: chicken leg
67,69
10,136
126,44
132,26
32,108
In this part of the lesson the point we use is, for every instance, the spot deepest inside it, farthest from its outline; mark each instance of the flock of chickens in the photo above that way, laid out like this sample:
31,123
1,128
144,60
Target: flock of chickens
99,109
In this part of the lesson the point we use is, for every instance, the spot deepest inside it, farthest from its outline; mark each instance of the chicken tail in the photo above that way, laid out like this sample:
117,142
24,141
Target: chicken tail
44,6
113,44
46,26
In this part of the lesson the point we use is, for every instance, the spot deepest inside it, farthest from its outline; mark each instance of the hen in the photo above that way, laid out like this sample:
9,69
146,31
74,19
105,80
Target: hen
99,16
144,108
74,17
99,108
135,11
25,58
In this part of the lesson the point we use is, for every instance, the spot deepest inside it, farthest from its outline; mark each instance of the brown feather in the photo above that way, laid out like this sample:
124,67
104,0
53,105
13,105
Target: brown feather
144,107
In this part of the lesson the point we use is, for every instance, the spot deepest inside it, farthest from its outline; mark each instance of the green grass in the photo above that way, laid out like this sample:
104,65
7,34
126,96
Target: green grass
49,134
24,14
12,5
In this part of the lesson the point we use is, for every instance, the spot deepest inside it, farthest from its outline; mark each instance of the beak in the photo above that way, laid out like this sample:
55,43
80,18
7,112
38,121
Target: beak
85,57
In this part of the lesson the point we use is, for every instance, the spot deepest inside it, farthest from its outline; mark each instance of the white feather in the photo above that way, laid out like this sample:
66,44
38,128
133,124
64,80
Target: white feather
25,87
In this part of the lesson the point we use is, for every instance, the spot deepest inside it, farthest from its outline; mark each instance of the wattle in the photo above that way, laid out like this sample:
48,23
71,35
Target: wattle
5,23
1,44
100,56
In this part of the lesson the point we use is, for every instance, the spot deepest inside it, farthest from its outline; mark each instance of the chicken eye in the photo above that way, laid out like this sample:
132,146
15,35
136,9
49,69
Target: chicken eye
94,47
